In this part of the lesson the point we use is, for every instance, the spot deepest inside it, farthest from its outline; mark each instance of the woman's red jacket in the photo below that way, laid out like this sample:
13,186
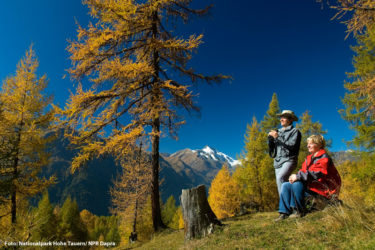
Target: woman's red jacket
320,175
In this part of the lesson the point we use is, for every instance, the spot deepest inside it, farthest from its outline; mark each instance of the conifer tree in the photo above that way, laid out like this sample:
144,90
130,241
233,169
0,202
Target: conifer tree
71,225
358,176
99,228
45,221
144,223
105,227
307,128
177,220
270,120
131,191
113,234
89,220
25,127
224,194
130,53
361,14
359,99
169,210
255,174
23,229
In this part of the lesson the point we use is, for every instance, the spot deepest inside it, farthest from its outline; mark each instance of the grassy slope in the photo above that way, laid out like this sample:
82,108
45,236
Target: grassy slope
333,228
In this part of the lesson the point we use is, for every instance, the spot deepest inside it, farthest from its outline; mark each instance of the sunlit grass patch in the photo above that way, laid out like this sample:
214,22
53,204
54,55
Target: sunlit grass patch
342,227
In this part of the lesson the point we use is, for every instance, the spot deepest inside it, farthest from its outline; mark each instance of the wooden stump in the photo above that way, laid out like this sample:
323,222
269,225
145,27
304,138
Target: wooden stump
198,216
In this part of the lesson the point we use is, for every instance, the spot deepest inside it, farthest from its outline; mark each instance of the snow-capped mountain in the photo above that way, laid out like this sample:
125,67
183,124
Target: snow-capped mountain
210,153
189,168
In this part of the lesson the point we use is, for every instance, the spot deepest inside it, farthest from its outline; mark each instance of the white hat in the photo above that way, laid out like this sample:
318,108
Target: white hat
288,113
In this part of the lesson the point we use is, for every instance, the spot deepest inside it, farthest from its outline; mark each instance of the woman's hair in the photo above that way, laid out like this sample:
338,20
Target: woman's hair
317,139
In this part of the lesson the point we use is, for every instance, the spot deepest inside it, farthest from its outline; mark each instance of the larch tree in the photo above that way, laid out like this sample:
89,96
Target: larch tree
145,226
131,56
89,220
132,189
361,14
359,111
25,130
224,193
359,106
270,120
169,210
256,175
360,97
177,220
258,190
71,227
45,221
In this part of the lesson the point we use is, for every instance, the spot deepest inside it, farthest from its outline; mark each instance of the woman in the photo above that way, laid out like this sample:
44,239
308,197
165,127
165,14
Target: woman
318,176
284,147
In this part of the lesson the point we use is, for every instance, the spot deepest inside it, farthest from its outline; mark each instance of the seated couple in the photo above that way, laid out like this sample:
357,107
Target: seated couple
318,177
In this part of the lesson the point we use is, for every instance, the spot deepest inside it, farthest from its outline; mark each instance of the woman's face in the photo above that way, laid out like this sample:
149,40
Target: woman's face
312,147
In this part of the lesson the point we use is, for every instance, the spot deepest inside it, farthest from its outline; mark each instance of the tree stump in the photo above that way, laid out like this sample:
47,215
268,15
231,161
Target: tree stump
198,216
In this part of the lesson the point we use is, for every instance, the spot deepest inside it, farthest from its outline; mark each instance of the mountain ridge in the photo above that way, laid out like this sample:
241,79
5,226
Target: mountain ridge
90,185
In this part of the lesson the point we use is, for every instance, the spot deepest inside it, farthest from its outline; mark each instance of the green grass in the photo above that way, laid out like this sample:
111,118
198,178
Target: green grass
332,228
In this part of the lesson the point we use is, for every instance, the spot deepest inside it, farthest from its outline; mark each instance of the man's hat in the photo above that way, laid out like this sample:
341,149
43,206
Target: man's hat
288,113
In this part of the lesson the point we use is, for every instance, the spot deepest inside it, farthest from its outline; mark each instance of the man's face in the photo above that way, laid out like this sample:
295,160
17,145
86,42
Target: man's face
285,122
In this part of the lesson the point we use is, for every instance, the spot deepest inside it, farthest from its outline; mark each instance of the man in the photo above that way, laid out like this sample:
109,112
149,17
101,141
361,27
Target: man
284,147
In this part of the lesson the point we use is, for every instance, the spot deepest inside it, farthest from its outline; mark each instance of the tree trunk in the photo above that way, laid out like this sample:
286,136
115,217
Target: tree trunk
198,216
13,208
155,197
133,235
15,176
14,192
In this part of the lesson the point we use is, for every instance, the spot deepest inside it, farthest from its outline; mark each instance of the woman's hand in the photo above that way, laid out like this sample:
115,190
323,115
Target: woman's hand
293,178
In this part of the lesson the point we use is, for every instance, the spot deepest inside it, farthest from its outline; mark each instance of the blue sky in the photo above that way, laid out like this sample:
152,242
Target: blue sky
288,47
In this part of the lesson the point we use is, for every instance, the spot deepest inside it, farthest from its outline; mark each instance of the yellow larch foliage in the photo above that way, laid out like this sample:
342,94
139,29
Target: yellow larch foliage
224,194
128,55
181,223
132,57
357,175
25,132
132,188
177,220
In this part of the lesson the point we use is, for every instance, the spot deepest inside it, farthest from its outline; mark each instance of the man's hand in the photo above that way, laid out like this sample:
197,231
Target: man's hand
292,178
273,133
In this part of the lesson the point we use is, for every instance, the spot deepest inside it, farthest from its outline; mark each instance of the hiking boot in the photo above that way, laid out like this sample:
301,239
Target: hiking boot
296,214
281,217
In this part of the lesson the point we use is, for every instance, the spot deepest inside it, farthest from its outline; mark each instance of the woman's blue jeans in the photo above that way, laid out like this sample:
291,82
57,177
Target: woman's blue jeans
292,197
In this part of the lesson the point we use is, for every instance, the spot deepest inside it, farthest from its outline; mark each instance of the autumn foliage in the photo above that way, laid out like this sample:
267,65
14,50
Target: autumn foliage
25,131
131,55
224,194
